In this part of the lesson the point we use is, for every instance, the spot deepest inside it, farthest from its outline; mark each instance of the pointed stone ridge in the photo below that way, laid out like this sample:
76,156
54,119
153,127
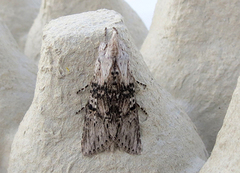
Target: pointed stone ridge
225,155
192,49
19,17
51,9
16,91
52,129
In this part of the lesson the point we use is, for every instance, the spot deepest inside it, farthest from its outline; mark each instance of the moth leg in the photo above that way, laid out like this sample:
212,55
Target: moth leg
82,89
144,111
143,85
81,109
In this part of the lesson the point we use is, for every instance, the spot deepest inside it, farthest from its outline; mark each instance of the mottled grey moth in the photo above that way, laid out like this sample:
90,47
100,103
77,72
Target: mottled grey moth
111,120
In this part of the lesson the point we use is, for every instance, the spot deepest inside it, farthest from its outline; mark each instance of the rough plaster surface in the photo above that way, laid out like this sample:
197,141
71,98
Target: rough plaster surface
51,9
49,137
16,91
225,155
19,15
192,49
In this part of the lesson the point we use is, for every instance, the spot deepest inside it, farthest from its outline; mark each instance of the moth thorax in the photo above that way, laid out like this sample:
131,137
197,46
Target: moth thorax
114,88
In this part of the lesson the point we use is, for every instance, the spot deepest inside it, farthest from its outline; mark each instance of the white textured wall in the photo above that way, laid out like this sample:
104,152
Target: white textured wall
192,49
19,16
49,137
17,82
225,155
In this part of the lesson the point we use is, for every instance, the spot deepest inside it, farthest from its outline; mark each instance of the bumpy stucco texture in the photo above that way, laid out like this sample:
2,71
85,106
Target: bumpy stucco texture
51,9
225,155
19,15
192,49
49,137
17,82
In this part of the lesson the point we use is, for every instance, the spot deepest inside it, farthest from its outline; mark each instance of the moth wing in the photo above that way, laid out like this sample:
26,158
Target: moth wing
128,138
95,137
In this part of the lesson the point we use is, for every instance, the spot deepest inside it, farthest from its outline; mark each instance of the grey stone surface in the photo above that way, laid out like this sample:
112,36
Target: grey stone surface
17,76
51,9
192,49
49,137
225,155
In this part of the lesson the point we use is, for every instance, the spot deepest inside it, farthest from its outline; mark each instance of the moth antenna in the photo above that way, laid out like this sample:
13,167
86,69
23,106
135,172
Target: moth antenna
105,34
115,30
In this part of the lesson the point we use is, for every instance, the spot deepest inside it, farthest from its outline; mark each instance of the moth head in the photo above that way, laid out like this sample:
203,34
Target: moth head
108,52
113,46
112,55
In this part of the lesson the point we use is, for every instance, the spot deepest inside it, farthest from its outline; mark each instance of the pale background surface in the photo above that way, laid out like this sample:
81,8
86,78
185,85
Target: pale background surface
50,129
144,9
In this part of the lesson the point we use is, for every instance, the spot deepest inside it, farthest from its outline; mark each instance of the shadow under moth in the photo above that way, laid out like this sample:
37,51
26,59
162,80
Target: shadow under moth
111,120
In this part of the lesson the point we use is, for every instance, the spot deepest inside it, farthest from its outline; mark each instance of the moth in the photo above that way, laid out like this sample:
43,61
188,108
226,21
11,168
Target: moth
111,120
